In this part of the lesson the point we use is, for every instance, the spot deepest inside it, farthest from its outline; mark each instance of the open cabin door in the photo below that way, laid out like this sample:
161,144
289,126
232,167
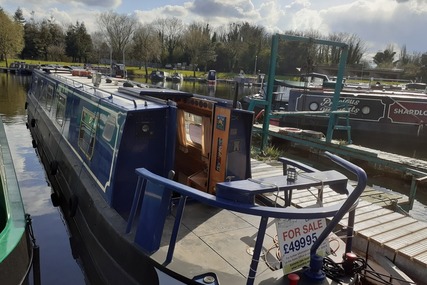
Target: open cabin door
231,141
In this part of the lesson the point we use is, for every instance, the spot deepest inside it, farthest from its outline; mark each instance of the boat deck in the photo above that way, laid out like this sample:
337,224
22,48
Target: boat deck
207,243
377,230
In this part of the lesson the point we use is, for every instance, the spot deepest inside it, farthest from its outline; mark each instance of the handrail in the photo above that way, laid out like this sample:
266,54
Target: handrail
110,95
265,212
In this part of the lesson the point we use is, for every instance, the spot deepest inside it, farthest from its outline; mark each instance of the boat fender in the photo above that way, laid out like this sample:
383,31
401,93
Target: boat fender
55,199
108,80
74,247
127,84
34,143
260,115
53,165
26,105
33,123
73,202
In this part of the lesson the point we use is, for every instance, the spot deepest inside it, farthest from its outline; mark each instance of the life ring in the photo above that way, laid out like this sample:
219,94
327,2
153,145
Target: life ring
53,165
73,202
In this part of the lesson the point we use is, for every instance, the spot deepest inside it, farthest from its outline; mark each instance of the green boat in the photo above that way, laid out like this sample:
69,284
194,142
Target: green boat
16,253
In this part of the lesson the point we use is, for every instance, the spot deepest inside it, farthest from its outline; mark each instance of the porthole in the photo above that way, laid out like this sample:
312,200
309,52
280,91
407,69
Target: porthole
366,110
313,106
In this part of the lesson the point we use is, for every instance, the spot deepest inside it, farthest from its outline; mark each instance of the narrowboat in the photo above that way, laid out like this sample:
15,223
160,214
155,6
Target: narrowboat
16,253
157,75
158,183
382,115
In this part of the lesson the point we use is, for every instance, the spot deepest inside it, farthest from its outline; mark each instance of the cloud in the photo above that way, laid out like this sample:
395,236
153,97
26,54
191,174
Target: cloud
378,22
232,11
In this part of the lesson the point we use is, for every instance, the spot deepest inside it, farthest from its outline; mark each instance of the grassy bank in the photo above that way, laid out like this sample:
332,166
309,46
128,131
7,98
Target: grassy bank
132,70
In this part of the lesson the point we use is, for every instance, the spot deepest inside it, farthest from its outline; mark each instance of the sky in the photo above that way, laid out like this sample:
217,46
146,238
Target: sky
378,23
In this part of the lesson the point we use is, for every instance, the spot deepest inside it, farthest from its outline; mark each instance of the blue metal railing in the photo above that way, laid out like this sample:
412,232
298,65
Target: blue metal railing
152,186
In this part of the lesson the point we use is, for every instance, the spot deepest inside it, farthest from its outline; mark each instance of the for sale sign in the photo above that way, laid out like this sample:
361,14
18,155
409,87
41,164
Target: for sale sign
296,237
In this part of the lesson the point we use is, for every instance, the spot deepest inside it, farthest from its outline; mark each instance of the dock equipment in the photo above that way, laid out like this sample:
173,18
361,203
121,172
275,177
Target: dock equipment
266,103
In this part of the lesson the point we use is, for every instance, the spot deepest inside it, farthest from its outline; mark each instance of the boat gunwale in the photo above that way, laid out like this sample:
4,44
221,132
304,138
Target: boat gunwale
15,227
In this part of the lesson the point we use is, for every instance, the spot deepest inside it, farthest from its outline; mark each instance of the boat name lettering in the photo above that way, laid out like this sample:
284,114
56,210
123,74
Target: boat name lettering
328,102
415,112
326,105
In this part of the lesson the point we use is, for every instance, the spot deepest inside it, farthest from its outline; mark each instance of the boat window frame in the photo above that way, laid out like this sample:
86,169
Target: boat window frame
192,120
49,96
109,128
85,126
61,105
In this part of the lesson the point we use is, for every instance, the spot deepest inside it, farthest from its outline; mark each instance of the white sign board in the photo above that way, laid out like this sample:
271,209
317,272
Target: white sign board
296,237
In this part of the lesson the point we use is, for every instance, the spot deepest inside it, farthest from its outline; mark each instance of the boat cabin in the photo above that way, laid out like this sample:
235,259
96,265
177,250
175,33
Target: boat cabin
110,130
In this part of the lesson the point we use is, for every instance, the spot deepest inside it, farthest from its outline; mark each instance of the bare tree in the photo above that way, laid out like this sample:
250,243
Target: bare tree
100,49
118,31
146,45
170,31
198,45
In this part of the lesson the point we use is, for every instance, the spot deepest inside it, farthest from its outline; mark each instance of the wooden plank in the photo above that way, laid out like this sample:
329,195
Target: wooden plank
381,224
414,237
369,213
409,225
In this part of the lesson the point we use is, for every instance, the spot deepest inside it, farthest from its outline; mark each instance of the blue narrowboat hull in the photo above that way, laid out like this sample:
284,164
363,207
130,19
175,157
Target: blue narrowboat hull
82,175
91,141
123,161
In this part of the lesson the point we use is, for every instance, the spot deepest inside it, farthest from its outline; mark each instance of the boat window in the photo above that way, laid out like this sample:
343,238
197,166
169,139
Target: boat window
38,88
60,109
87,132
109,128
193,129
49,97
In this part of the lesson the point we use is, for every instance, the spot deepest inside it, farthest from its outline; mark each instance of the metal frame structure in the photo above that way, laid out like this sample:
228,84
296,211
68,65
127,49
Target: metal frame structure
272,74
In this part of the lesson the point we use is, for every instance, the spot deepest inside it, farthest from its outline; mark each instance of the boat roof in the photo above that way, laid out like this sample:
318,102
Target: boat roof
118,91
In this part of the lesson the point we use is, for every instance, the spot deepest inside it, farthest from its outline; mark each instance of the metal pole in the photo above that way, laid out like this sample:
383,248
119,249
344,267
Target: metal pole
256,59
336,98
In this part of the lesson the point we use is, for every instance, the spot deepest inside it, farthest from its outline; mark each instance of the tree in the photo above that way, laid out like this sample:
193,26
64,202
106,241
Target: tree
385,59
146,45
199,46
31,40
232,45
50,34
118,31
11,37
170,31
19,16
100,49
78,42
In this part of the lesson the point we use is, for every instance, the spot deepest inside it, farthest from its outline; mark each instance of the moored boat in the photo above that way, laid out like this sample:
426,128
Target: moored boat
157,75
382,115
125,162
15,245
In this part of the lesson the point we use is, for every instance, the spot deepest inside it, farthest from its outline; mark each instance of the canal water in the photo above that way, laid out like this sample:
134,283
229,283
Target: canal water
57,263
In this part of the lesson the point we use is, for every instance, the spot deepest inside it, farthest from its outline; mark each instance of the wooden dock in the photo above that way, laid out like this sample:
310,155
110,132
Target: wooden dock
378,231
